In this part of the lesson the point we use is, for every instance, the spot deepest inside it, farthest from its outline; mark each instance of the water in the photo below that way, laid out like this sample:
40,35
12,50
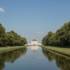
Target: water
33,59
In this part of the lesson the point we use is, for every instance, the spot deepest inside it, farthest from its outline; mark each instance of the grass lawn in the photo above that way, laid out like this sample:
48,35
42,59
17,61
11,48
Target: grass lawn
65,51
7,49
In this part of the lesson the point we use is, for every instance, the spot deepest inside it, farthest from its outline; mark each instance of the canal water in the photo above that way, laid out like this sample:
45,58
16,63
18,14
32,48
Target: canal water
33,59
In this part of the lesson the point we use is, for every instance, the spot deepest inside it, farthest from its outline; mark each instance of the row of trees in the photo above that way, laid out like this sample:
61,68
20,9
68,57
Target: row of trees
10,38
60,38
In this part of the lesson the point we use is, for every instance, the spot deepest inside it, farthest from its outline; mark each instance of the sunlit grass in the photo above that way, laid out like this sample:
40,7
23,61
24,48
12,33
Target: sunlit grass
7,49
60,50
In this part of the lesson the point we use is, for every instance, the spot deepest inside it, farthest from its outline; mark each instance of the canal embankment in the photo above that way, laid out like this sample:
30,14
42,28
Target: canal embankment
59,51
8,49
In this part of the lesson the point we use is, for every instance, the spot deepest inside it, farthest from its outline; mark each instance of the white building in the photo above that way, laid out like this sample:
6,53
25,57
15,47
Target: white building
34,42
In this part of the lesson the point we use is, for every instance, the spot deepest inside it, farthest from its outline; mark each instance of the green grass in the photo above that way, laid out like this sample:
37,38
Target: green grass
65,51
7,49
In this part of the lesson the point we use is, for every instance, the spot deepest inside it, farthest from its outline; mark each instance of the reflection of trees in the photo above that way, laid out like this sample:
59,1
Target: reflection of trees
11,56
47,55
62,62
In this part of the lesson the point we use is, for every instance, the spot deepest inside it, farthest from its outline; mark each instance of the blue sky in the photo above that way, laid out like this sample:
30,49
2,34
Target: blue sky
34,18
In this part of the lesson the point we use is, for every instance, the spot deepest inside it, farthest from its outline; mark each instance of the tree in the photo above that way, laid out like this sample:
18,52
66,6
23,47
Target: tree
10,38
60,38
2,30
15,39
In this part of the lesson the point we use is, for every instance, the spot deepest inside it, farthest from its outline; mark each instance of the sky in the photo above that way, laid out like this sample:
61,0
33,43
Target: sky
34,18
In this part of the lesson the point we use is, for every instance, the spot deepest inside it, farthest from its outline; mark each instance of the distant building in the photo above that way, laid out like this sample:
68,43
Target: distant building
34,42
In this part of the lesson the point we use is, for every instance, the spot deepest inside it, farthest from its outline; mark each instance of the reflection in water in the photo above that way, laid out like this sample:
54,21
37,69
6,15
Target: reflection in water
34,48
61,62
10,56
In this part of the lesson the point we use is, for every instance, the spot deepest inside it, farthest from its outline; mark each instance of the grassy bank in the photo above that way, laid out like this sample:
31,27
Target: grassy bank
7,49
64,51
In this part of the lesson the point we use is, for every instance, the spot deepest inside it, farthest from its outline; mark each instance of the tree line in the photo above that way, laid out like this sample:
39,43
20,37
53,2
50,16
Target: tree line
10,38
59,38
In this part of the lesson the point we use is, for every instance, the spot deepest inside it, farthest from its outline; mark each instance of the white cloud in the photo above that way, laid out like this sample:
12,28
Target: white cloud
2,10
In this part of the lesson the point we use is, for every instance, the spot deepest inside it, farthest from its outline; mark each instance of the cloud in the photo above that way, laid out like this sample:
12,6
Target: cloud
2,10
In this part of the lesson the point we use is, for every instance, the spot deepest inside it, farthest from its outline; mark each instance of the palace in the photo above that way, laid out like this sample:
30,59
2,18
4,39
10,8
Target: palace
34,42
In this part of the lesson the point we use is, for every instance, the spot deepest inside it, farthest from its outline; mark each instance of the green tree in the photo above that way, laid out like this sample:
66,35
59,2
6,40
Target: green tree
60,38
10,38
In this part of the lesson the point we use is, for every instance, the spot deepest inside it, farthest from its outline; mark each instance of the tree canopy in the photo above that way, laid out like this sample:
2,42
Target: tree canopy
10,38
60,38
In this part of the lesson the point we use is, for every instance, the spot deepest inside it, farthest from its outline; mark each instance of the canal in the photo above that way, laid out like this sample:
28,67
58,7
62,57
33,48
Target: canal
33,59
